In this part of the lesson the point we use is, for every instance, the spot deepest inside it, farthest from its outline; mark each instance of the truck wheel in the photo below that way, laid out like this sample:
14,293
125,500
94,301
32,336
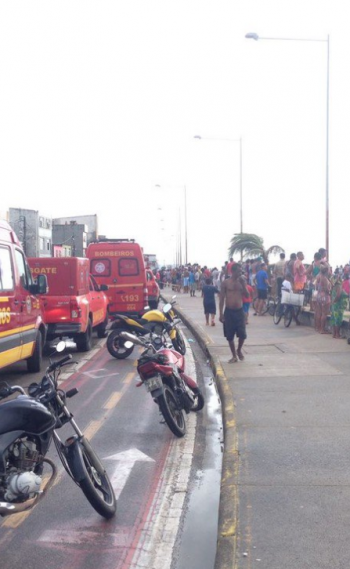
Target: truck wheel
34,362
101,328
153,304
84,340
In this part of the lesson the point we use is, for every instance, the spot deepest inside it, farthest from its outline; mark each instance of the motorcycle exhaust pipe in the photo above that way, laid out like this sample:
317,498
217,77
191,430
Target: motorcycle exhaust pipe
131,338
7,509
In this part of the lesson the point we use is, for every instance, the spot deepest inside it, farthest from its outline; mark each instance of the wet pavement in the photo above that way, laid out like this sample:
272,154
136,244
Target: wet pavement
197,544
285,491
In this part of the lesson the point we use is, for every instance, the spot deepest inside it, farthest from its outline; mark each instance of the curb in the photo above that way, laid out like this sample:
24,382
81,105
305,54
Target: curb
228,508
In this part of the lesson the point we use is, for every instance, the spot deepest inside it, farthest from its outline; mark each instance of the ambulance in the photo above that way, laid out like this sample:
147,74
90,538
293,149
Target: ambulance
22,327
119,264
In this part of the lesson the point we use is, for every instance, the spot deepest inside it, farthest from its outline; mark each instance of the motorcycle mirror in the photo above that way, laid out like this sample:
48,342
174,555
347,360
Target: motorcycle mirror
173,297
147,308
128,345
33,389
61,346
167,308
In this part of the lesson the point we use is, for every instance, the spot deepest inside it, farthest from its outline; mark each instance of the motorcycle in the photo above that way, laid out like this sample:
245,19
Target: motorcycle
162,372
28,424
154,322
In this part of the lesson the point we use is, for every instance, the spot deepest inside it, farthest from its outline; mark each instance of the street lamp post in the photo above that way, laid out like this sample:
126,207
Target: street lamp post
185,221
240,171
256,37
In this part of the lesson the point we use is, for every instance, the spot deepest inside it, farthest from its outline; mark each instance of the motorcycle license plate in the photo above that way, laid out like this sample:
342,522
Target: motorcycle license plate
153,383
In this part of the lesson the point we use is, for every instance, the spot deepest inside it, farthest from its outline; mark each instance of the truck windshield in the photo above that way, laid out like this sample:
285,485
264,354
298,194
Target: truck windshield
6,275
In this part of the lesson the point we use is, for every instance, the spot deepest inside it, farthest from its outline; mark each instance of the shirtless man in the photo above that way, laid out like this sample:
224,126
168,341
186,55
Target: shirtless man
231,294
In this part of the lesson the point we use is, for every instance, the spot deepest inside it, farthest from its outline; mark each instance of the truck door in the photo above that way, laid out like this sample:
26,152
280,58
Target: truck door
10,308
96,302
29,306
131,291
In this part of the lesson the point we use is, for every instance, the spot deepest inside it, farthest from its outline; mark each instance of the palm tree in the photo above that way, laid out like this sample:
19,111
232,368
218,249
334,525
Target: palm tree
251,245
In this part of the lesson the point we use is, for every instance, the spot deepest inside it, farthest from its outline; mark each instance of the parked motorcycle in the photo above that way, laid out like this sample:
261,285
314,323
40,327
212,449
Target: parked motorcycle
28,424
162,372
158,323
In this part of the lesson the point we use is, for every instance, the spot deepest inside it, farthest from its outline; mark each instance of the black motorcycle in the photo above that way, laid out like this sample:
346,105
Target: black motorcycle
28,424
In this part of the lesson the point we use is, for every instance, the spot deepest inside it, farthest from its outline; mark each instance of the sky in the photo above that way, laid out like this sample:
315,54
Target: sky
100,103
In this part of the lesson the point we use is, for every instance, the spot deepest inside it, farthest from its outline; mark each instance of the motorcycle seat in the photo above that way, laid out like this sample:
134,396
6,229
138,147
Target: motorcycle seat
141,321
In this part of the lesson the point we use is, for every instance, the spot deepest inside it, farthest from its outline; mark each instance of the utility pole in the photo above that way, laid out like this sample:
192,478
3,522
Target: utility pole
186,259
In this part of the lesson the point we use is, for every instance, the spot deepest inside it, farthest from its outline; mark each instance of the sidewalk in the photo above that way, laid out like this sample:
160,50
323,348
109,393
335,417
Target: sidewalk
285,494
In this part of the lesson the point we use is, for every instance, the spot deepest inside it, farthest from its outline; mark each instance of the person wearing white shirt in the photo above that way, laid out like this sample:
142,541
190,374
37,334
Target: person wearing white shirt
287,285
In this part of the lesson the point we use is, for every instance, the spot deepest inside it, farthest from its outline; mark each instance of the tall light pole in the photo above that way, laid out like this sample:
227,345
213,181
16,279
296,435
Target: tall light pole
185,222
240,171
256,37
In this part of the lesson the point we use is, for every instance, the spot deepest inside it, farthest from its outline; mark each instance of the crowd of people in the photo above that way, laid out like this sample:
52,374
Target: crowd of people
326,291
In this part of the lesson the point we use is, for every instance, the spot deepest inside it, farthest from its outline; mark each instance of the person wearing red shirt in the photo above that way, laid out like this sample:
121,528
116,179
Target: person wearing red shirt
346,285
229,267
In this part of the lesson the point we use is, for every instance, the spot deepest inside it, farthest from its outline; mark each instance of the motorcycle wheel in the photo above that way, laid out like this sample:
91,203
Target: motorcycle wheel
115,345
199,402
174,417
97,486
179,343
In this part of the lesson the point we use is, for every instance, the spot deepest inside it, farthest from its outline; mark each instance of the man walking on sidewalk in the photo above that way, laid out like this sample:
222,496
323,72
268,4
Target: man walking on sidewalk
231,294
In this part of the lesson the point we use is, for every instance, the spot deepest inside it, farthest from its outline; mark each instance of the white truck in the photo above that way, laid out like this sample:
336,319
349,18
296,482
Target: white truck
151,261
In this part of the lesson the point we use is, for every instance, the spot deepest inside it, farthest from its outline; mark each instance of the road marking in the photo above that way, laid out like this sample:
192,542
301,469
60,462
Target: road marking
92,428
157,535
15,520
99,373
84,537
126,461
112,400
129,377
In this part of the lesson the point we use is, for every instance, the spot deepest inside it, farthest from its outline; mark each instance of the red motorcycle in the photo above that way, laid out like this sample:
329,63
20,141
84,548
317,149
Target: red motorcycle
162,372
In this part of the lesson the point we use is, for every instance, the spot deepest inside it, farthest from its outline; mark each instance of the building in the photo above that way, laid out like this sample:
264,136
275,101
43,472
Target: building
72,234
33,230
89,221
61,251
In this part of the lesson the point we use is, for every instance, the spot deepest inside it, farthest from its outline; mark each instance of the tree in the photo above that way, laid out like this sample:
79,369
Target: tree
251,245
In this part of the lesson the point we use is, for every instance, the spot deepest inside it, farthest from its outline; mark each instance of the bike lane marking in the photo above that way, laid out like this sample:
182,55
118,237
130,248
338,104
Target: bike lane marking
150,542
155,537
129,377
113,400
14,521
125,463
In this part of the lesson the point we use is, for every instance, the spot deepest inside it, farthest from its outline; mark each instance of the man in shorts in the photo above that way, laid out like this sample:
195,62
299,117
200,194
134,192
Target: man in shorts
262,287
232,292
192,283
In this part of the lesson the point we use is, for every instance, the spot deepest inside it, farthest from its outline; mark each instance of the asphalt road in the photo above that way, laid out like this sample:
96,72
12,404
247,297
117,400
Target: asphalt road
159,480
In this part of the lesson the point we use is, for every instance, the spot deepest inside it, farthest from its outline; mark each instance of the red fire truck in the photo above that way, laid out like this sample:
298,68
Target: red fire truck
75,304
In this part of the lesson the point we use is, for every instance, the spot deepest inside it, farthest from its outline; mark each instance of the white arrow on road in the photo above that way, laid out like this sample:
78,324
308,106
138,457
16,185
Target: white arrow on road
126,461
